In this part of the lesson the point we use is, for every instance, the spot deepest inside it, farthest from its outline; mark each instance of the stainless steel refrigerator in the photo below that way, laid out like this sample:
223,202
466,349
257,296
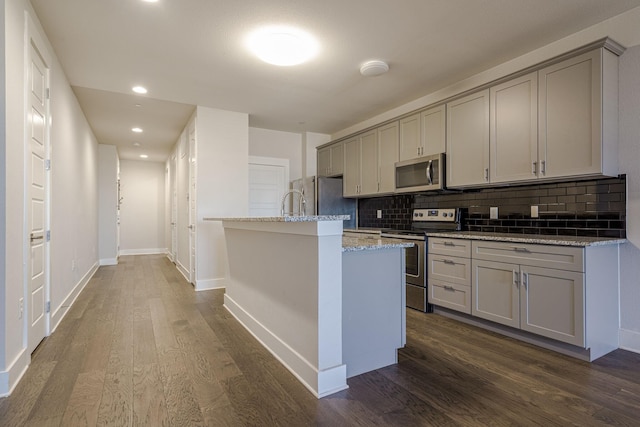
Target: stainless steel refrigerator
324,197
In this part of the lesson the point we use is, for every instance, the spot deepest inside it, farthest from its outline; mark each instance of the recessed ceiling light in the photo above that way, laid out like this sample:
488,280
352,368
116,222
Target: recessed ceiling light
143,156
136,130
136,144
284,46
139,89
150,1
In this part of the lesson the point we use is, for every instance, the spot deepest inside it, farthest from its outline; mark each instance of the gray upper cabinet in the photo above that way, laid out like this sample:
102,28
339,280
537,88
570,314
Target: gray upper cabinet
331,160
387,157
423,134
468,140
514,130
578,121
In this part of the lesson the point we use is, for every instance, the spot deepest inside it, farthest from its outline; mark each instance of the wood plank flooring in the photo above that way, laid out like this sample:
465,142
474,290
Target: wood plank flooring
141,347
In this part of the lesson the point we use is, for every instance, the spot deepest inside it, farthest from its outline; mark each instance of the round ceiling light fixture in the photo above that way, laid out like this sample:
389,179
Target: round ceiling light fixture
283,46
136,130
374,68
139,89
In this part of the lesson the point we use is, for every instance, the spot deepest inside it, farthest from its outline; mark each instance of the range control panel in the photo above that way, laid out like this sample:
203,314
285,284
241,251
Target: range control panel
439,215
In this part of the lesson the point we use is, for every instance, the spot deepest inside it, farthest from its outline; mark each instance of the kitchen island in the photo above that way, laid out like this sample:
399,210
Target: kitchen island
326,308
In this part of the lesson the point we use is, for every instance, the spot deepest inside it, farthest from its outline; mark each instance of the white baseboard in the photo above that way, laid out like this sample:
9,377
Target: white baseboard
11,377
61,311
208,284
630,340
320,383
109,261
183,270
147,251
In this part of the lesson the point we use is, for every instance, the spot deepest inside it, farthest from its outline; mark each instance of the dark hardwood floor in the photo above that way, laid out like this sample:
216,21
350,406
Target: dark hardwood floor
140,347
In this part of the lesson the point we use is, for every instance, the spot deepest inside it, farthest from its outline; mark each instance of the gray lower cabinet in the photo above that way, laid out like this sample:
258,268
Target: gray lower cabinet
568,294
449,273
543,301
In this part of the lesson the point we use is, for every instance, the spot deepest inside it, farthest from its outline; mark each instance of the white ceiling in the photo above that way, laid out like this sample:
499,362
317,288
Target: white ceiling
191,52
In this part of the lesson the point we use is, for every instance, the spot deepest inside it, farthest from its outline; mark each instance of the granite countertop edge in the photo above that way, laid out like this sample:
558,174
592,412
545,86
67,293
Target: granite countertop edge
354,244
530,238
289,218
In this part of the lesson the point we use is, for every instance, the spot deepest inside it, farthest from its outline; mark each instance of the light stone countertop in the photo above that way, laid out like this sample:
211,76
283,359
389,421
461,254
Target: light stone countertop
287,218
353,244
529,238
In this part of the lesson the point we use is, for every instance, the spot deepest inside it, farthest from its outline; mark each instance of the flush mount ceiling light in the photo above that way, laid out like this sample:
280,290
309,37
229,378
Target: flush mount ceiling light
374,68
143,156
139,89
136,130
136,144
283,46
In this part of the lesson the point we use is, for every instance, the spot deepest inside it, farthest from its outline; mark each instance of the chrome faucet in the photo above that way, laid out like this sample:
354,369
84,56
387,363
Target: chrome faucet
302,202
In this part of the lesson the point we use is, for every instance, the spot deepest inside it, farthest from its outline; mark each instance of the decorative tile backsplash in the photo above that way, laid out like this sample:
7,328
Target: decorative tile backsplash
595,207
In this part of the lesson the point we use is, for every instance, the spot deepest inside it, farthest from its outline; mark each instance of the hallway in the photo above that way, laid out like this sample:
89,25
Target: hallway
140,347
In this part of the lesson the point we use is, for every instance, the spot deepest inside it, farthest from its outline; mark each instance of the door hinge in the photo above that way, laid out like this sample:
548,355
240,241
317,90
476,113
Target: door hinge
48,93
48,235
47,164
48,307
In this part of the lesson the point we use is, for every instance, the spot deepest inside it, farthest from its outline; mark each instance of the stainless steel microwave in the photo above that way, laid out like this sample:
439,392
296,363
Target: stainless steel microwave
422,174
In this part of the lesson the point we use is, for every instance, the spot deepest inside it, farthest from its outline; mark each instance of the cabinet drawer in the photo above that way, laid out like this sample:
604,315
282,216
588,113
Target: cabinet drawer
449,269
445,246
450,295
546,256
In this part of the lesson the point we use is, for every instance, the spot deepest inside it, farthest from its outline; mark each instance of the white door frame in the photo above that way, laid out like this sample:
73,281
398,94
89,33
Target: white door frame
33,38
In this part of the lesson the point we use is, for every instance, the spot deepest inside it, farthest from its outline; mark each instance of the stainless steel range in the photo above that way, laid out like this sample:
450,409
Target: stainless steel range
416,257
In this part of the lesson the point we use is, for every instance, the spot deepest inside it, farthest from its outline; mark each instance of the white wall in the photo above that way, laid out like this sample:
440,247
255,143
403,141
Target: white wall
142,212
310,154
278,144
624,29
222,187
107,204
629,155
74,216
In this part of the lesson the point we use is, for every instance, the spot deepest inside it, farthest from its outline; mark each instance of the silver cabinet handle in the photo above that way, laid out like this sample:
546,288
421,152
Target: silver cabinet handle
33,237
525,279
449,288
519,249
533,171
486,174
515,278
543,165
449,244
191,227
448,261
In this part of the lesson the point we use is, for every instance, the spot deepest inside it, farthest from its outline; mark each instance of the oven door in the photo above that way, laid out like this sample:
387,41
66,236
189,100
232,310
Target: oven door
415,276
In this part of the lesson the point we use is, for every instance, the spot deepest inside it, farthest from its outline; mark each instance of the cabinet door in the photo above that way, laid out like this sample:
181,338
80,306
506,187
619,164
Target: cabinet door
571,116
337,160
324,161
351,177
514,130
468,140
495,292
433,126
387,157
369,163
552,304
410,137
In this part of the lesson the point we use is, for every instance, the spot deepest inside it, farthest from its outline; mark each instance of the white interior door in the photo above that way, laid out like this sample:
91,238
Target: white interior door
37,203
268,181
182,206
192,202
174,205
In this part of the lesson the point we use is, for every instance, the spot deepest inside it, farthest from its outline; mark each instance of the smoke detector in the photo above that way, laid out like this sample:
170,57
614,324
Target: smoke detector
374,68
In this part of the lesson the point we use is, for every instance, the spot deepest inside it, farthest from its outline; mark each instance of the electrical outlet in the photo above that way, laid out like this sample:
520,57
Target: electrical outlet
534,212
493,212
21,308
379,214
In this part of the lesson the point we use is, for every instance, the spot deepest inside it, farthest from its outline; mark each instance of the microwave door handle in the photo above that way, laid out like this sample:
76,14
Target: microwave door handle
429,169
